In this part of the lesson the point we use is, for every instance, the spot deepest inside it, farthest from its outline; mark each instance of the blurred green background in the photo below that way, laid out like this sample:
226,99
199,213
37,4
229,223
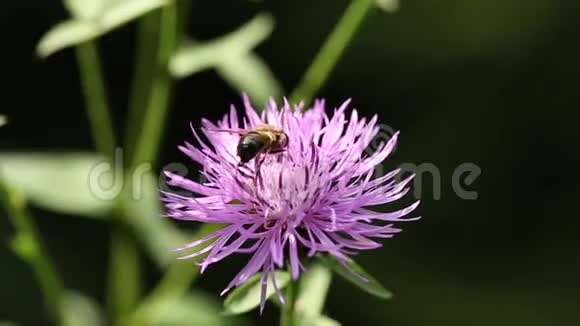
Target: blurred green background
491,82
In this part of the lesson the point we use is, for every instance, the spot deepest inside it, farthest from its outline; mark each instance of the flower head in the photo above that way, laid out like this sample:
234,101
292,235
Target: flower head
314,197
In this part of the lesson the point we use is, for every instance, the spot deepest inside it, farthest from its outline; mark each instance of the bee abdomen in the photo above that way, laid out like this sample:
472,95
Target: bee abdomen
249,146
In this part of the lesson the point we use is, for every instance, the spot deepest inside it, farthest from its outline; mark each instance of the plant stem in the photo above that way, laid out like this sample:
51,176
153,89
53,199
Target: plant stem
173,285
287,318
333,48
152,124
28,245
157,106
124,278
144,69
124,265
95,98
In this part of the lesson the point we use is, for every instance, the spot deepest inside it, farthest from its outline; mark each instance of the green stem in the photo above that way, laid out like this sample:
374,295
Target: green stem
173,285
157,106
28,245
333,48
150,132
124,278
124,268
144,69
95,98
288,316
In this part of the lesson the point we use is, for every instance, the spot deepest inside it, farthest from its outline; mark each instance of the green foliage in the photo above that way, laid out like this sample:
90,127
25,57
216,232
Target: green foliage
173,286
92,19
246,297
27,244
60,182
89,185
81,310
312,292
233,57
371,285
143,211
321,321
388,5
195,57
334,46
7,323
86,10
198,307
66,34
56,181
24,246
250,74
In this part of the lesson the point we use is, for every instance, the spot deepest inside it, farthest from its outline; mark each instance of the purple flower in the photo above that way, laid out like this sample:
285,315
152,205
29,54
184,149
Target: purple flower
315,197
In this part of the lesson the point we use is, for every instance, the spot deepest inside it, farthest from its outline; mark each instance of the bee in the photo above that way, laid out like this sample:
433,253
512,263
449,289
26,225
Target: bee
263,139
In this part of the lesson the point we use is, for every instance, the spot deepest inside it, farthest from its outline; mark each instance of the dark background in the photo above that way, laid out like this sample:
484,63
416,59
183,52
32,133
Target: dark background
490,82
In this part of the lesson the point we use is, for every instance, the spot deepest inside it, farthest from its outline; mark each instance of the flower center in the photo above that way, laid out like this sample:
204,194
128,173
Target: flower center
280,186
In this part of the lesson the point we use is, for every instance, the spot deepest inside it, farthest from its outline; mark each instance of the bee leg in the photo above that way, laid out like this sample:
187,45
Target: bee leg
239,165
241,168
258,171
278,151
280,157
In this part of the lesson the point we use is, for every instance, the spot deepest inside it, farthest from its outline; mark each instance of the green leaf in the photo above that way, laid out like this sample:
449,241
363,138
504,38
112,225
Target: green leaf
193,56
314,285
121,12
312,292
321,321
61,182
250,74
199,308
388,5
247,296
371,286
85,10
144,212
3,120
92,19
65,34
81,310
233,58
